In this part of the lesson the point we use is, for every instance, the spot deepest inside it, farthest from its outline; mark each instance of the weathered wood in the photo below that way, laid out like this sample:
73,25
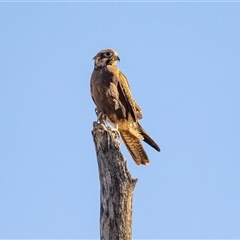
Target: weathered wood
116,186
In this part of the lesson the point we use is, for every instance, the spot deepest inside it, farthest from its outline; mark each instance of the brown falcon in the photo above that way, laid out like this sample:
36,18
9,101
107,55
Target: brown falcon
111,93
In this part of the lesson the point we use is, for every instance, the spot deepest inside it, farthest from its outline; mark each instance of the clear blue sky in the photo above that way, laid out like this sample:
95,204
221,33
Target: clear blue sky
182,62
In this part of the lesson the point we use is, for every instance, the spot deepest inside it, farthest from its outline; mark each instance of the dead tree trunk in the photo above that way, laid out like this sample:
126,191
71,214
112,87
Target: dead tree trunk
116,186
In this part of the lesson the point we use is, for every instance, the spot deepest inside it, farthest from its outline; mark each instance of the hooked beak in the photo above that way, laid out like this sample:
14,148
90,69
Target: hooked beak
117,58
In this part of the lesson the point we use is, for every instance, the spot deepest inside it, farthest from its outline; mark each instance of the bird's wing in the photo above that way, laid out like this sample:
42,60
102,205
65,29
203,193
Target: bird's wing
133,111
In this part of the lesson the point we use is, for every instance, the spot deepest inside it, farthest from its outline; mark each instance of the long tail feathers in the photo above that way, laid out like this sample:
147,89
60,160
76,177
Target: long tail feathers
148,139
135,147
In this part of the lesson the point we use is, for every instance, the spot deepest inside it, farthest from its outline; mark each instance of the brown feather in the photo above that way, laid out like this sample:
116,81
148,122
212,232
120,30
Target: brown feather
111,93
134,147
148,139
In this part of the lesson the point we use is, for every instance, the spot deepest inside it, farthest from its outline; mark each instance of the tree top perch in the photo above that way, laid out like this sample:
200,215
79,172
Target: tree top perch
116,185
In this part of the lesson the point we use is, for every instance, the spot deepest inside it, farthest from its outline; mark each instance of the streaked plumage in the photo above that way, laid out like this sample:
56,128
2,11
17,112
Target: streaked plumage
111,93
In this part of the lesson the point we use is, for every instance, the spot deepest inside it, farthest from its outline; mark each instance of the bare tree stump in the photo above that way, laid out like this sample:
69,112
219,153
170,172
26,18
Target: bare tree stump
116,186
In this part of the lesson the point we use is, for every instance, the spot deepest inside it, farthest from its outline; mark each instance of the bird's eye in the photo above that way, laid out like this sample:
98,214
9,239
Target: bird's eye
107,54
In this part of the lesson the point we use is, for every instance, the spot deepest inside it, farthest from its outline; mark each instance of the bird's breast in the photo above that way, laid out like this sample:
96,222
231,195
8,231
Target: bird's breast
105,93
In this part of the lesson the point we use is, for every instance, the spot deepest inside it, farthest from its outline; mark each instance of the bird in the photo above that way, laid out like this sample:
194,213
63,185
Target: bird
111,94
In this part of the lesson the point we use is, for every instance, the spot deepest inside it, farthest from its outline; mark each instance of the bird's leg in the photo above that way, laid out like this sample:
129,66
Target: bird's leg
102,119
100,116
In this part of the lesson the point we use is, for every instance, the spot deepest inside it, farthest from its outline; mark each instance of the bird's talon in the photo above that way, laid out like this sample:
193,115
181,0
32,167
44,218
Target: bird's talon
100,116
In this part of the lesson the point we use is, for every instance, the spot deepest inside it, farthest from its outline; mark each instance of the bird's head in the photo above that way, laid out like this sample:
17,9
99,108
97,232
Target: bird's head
106,57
